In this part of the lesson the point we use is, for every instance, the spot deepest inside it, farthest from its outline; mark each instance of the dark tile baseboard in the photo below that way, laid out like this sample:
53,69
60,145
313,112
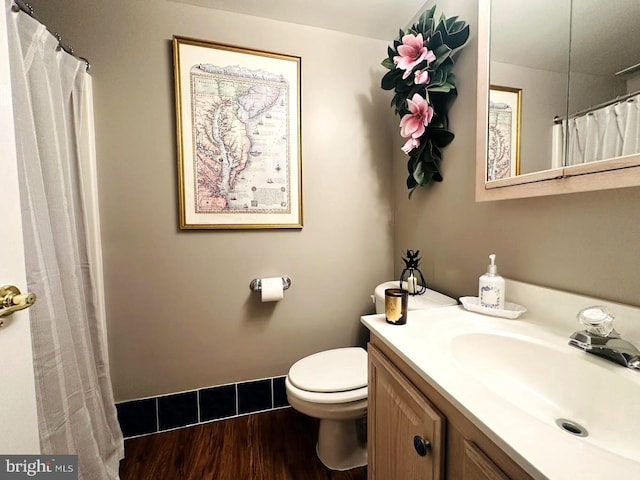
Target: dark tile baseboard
177,410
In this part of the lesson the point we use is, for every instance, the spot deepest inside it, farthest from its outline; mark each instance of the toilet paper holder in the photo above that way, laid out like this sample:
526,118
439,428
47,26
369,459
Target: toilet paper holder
256,284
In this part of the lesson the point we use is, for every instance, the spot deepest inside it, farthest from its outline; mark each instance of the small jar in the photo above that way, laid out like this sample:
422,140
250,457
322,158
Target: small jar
396,301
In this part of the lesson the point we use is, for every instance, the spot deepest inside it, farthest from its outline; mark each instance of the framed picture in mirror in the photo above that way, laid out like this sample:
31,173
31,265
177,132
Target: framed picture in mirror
503,155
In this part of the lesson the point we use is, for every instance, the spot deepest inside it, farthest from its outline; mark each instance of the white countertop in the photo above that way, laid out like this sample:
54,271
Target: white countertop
533,441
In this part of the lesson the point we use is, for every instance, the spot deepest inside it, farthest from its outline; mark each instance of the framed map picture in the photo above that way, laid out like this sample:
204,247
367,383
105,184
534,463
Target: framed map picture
505,106
238,132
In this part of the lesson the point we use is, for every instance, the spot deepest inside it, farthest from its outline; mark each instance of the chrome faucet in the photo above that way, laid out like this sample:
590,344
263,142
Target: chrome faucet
599,338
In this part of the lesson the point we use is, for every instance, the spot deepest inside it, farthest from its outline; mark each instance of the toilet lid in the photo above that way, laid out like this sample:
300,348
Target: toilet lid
337,370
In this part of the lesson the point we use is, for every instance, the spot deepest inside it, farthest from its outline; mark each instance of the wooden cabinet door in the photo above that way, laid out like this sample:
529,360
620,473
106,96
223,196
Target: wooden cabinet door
477,466
400,415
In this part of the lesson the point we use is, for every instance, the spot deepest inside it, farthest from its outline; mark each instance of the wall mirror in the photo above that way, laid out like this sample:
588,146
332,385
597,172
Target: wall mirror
558,97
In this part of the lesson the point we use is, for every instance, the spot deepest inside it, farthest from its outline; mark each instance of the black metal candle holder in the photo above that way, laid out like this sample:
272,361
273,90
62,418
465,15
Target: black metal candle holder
412,275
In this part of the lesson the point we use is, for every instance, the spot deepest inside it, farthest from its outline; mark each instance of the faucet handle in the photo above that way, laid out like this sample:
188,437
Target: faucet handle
598,320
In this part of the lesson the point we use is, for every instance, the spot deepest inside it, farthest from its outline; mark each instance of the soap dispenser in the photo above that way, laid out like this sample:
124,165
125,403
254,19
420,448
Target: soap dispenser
491,287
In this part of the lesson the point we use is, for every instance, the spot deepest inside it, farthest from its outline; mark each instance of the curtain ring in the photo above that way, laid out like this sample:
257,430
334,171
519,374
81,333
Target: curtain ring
87,63
25,7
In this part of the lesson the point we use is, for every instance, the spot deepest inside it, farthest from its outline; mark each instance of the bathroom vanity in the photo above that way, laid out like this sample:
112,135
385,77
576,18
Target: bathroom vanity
415,432
460,395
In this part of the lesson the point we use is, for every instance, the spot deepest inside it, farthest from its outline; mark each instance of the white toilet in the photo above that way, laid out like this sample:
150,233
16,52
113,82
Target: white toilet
332,386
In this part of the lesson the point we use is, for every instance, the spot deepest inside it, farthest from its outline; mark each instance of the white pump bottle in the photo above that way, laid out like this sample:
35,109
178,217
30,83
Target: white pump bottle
491,287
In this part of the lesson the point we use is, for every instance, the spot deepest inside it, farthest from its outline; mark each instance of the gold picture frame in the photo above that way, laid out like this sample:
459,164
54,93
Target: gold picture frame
505,113
238,124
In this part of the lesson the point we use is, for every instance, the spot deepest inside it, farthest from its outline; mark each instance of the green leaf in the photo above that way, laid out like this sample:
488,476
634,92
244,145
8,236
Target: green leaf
428,14
449,22
416,89
441,28
404,86
458,39
416,154
411,184
391,53
436,121
414,160
451,79
437,79
440,137
400,103
456,26
447,65
395,99
425,26
435,155
391,78
420,66
388,63
444,88
442,52
441,101
430,167
428,176
418,174
435,42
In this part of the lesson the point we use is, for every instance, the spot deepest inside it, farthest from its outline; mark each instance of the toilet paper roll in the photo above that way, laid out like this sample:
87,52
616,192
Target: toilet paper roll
557,145
272,289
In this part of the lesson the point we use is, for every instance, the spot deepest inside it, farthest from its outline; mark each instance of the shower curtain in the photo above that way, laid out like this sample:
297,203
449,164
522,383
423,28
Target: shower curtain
606,132
56,161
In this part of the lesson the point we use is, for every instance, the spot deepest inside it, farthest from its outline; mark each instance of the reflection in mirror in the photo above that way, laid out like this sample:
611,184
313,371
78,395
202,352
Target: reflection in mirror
604,106
526,47
529,52
503,152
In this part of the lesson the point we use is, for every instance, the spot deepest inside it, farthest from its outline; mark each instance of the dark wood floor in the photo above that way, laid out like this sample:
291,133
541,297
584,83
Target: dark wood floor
277,445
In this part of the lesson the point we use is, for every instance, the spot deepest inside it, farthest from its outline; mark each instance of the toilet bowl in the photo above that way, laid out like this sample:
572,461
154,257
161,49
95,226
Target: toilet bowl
332,386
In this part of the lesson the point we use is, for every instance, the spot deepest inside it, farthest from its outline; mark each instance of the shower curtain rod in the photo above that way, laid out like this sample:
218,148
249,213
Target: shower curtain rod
19,5
620,98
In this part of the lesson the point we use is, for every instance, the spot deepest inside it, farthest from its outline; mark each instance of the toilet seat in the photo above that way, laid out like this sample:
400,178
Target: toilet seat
326,397
331,371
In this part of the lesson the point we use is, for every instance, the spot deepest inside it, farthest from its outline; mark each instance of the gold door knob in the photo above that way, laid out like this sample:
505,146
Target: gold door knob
11,300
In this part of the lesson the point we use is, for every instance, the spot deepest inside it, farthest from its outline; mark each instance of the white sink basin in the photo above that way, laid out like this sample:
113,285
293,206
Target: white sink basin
552,382
515,378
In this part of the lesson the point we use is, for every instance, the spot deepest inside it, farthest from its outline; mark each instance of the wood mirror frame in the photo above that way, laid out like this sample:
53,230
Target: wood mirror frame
600,175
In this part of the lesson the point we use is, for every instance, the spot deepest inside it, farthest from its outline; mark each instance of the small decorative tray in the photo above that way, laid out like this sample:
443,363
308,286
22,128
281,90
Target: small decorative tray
511,310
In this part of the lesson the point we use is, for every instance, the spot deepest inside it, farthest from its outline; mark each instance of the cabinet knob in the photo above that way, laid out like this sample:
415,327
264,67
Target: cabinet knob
421,445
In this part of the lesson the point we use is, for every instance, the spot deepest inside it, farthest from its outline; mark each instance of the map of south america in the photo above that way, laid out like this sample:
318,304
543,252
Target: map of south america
241,136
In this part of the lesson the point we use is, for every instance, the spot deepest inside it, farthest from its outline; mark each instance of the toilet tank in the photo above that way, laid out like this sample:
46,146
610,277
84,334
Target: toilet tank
429,299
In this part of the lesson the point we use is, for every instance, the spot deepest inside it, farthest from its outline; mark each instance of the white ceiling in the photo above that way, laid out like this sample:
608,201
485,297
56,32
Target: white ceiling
379,19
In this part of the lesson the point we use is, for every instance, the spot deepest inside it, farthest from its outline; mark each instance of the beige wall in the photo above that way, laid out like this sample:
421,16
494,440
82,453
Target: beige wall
180,313
586,243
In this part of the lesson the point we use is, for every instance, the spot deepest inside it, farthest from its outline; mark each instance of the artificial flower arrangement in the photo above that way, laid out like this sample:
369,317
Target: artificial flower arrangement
420,73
